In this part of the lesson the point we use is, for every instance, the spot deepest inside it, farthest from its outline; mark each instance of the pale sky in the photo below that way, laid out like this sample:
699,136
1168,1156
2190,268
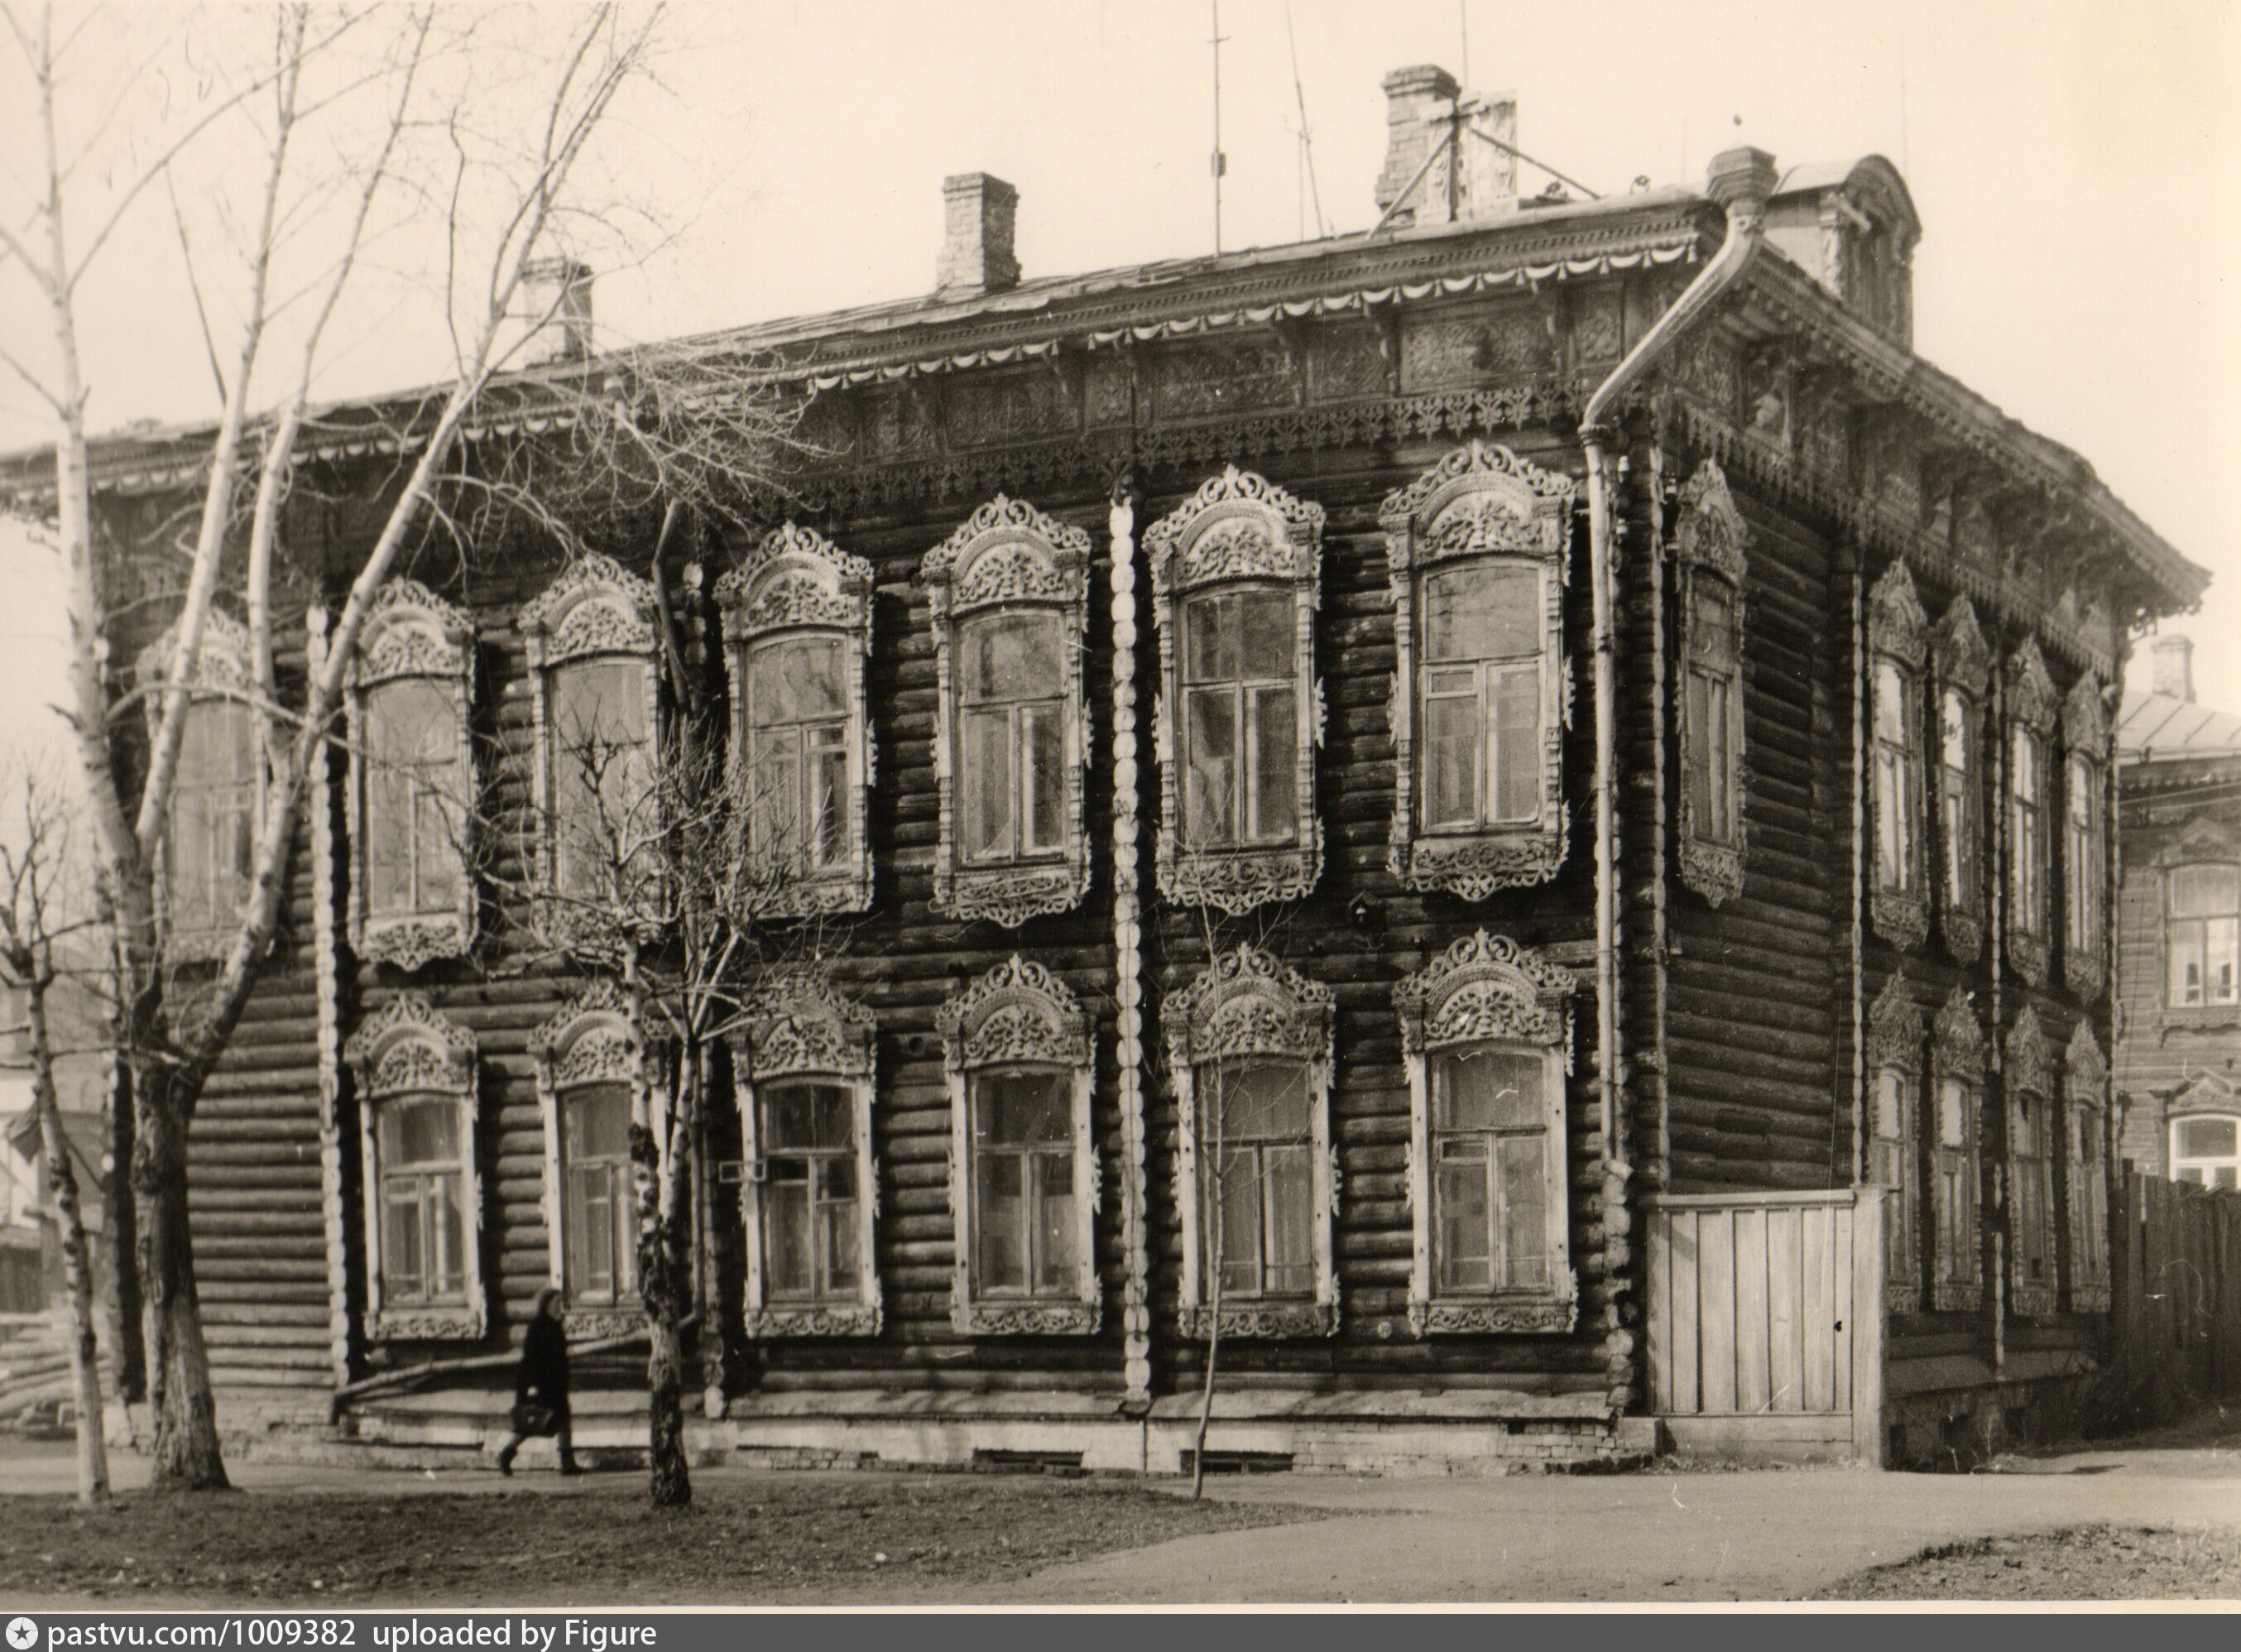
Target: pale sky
2075,164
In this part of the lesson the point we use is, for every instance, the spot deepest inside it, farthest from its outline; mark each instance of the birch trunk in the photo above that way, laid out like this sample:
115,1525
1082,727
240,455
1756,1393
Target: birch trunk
187,1454
663,1285
78,1263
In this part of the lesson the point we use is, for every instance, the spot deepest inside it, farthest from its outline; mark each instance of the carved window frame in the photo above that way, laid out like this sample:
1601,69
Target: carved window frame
597,1038
2029,1073
596,610
1248,1005
1957,1050
2085,1089
1486,991
1019,1017
1481,505
797,582
1009,557
1962,665
1895,1039
2031,709
1711,543
797,1025
2085,898
410,634
222,674
1898,646
1239,529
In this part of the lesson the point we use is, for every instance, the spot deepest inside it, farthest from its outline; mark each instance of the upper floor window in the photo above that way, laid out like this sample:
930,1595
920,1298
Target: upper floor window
2202,935
595,1080
804,1057
1023,1166
215,810
1709,543
798,625
2033,1141
1486,1040
415,1072
2085,861
1962,663
2030,722
2207,1151
1898,643
2085,1085
1476,552
1009,595
1957,1057
1895,1033
411,780
593,651
1235,580
1249,1054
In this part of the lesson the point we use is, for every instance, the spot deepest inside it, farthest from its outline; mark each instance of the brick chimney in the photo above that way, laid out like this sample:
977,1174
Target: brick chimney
556,301
1477,181
2172,662
1743,180
978,211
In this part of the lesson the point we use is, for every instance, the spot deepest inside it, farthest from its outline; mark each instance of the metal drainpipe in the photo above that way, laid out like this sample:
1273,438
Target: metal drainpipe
1741,180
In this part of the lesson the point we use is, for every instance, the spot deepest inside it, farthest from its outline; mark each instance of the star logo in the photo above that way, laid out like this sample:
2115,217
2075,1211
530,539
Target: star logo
23,1634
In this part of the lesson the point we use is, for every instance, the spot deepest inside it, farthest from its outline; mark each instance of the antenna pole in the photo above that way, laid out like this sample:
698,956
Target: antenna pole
1220,161
1462,24
1307,138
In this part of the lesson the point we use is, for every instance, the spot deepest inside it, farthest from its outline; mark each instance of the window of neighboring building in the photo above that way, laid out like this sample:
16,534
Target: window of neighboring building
797,623
2206,1151
1895,1084
1008,593
1234,573
2202,935
1962,663
216,808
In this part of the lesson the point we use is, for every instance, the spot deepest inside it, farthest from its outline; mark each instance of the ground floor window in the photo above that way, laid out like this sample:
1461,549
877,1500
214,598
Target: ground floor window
599,1210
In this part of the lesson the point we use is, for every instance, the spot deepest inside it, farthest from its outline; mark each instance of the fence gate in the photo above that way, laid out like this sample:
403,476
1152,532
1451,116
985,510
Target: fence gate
1766,1323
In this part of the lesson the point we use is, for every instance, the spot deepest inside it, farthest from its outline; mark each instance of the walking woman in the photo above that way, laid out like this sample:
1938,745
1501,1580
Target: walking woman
540,1392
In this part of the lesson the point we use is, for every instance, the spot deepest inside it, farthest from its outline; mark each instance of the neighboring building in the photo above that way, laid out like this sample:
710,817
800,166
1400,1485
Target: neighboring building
32,1268
1304,842
2178,1057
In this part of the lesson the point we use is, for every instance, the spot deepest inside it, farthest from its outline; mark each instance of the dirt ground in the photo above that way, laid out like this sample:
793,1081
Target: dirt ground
2085,1563
763,1539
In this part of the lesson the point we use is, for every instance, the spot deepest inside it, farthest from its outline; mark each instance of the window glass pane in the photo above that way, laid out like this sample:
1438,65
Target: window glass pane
1043,809
987,786
2199,892
1516,743
1018,1109
1002,1212
1890,703
1210,650
1451,749
1009,656
839,1219
1262,1102
1952,1113
2221,946
1953,731
786,1226
1484,610
2208,1138
1712,627
2022,775
1704,710
1238,1215
827,829
1484,1089
1266,630
418,1132
1290,1197
1275,762
795,679
402,1264
1890,1103
598,1122
807,1116
1459,1196
1524,1213
1055,1236
1210,789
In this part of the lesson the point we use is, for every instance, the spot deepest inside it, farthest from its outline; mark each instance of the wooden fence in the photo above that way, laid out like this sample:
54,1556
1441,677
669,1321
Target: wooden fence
2176,1329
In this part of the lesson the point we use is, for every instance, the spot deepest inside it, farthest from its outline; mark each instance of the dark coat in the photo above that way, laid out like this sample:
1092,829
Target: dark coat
543,1362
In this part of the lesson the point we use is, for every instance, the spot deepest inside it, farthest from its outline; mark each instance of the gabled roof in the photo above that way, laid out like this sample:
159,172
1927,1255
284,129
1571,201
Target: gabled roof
2163,727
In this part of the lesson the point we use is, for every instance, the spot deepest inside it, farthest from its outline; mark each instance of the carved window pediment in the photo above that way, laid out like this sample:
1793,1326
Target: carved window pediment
1235,581
1009,597
804,1057
1486,1039
797,633
1962,664
217,808
1249,1039
1477,551
1024,1180
1898,641
414,1070
411,689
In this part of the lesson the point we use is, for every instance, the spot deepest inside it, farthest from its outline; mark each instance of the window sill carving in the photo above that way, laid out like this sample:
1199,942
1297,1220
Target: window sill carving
1957,1296
832,1319
1965,935
1265,1320
1900,917
1236,881
2085,973
1027,1319
460,1324
588,1323
2089,1298
2027,955
1473,868
410,942
2037,1300
1554,1314
1012,894
1902,1296
1714,871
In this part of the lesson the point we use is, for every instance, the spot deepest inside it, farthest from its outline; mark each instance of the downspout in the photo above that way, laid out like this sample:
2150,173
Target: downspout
1741,180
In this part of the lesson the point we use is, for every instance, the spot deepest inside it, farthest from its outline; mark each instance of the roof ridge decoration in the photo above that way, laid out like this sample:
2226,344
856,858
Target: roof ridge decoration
1895,1025
1487,986
1963,658
797,1021
1017,1012
595,606
1897,618
1248,1002
2031,699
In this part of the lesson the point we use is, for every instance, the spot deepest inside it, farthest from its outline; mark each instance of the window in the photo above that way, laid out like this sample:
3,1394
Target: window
2085,1085
1898,637
2030,719
1476,552
802,1056
595,1079
1962,664
216,805
2034,1138
798,625
1009,597
1023,1167
1895,1033
1710,540
2202,935
593,645
414,1073
1234,572
1957,1053
1486,1040
2206,1151
1250,1053
2084,860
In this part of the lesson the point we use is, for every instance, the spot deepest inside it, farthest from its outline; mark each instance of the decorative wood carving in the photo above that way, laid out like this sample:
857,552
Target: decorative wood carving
1237,526
797,580
1895,1036
2085,746
2029,1071
1244,1005
1009,557
409,1049
1483,503
222,671
1712,542
2032,707
1898,632
1487,989
2085,1088
1128,964
1961,662
1894,1026
1957,1048
1019,1015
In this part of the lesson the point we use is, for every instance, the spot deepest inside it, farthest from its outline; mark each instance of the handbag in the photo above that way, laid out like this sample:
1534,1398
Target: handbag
535,1417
